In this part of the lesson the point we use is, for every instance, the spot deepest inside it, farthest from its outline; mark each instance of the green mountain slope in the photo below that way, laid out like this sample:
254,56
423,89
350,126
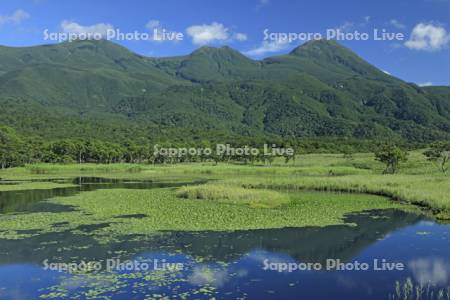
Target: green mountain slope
319,89
216,64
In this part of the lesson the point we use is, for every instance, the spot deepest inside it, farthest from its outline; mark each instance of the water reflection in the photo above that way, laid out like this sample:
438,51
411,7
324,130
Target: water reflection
311,244
226,265
231,265
430,270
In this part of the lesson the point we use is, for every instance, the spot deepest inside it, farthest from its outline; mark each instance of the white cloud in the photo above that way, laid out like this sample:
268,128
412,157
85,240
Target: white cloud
96,29
158,32
15,18
269,47
386,72
397,24
262,3
434,271
155,27
204,275
428,83
214,32
429,37
240,37
204,34
346,27
152,24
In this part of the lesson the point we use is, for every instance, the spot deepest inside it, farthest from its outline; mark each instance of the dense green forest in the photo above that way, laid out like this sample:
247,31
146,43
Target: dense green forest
16,150
97,101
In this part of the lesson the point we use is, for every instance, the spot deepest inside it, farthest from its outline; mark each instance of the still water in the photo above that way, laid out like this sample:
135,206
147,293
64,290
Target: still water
407,257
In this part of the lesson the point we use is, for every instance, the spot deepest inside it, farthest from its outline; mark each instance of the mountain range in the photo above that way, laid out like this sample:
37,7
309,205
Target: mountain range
319,89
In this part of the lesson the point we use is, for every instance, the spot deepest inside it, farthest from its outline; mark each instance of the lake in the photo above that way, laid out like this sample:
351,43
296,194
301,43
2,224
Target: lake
380,254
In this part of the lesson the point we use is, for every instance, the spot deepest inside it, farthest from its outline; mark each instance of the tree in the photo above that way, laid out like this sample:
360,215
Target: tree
80,149
64,151
439,153
391,156
10,148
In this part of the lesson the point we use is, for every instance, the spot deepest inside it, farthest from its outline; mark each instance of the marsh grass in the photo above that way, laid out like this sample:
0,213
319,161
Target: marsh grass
407,290
235,195
38,169
419,181
431,192
135,169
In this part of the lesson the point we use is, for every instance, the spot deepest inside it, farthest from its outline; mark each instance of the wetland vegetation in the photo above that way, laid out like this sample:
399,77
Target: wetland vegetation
214,218
315,190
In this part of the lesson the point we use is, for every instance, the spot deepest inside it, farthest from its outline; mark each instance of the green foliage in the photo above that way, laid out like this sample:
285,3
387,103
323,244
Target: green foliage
408,290
97,90
347,152
439,153
417,182
391,156
235,195
11,151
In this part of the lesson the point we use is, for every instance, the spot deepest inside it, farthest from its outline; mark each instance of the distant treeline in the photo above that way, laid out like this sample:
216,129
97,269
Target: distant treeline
16,150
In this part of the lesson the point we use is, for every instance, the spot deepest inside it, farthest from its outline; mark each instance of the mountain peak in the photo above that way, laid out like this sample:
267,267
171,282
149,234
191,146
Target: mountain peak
334,57
211,63
319,46
97,45
222,55
224,50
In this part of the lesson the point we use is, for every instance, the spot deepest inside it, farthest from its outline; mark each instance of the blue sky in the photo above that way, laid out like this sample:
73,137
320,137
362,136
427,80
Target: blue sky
423,56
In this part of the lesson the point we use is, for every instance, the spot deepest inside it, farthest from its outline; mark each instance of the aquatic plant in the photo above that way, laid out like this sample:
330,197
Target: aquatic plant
407,290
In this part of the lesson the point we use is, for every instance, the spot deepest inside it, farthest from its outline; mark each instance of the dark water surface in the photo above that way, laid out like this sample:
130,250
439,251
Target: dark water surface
229,265
31,200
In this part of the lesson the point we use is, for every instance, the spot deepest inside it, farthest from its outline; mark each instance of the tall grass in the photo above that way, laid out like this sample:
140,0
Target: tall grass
430,192
235,195
407,290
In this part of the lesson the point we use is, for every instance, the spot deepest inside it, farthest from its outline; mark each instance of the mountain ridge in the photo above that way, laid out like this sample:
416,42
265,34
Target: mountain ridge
319,89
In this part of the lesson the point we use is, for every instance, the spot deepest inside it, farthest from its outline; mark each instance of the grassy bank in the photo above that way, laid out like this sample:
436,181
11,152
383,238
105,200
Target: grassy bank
431,193
20,186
